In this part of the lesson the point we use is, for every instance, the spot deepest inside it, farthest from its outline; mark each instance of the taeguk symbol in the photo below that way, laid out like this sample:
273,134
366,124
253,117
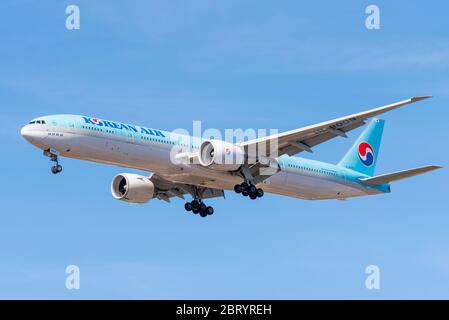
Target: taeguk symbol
366,154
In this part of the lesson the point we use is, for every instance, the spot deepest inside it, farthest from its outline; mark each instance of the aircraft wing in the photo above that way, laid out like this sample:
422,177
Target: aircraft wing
303,139
166,189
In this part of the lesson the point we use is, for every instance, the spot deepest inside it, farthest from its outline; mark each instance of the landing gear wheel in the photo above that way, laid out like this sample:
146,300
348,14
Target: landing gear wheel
188,206
56,169
202,207
195,204
203,213
238,188
251,189
253,196
210,211
195,210
244,193
259,193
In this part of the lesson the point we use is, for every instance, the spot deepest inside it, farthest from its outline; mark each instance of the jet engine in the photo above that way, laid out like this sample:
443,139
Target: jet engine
132,188
220,155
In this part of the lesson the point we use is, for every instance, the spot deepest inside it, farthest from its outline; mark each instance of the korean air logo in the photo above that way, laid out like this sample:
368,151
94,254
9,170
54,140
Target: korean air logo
366,154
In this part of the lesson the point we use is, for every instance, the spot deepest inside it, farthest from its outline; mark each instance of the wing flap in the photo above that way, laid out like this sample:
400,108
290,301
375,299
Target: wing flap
166,189
396,176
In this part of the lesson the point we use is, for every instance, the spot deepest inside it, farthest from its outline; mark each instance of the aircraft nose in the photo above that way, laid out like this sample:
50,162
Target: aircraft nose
34,135
27,133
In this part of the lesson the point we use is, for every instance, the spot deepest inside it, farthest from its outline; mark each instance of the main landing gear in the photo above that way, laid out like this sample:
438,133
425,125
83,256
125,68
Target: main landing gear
247,189
198,206
56,168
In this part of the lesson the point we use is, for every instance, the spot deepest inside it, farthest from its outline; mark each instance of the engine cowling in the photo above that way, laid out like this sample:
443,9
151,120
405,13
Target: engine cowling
221,155
132,188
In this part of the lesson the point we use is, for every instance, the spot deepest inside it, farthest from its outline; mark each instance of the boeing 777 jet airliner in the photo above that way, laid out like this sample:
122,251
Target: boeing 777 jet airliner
205,168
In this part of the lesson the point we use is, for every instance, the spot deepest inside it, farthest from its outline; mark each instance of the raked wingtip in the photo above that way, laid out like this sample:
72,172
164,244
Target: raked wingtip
419,98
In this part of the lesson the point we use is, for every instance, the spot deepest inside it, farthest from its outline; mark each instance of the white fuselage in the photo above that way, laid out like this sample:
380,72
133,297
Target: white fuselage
297,177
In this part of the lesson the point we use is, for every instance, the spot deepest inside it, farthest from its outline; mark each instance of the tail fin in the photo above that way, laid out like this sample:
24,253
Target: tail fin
362,157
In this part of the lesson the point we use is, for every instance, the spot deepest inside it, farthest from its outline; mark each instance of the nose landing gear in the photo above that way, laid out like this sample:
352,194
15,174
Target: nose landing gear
53,155
57,168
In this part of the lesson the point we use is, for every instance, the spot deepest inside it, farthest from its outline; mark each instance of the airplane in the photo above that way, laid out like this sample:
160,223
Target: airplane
206,168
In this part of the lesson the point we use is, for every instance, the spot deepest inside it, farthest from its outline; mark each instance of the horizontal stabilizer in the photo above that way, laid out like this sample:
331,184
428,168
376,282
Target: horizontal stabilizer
395,176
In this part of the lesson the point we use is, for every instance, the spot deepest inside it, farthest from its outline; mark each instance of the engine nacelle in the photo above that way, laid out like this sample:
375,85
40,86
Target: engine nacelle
221,155
132,188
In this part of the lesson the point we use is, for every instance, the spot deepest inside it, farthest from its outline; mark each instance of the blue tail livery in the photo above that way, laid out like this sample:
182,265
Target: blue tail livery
362,156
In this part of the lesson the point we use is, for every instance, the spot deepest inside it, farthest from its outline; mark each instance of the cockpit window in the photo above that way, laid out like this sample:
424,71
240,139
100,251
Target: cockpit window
32,122
38,122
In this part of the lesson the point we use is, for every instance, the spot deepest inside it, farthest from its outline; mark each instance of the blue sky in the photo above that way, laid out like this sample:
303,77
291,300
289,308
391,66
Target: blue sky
231,64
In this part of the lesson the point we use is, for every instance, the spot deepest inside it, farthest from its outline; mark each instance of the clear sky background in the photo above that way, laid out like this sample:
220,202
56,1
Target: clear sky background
231,64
